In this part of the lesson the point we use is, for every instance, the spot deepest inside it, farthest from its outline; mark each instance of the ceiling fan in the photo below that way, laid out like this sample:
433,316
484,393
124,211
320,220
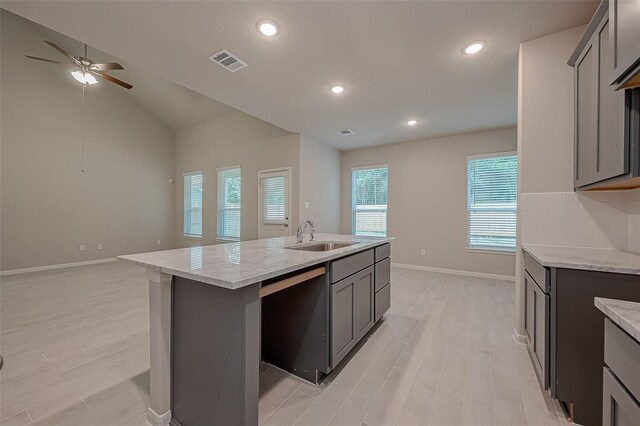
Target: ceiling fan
85,70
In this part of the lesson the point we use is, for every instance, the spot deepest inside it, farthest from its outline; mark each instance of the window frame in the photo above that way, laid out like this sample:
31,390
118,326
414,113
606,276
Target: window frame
220,200
353,198
490,249
186,175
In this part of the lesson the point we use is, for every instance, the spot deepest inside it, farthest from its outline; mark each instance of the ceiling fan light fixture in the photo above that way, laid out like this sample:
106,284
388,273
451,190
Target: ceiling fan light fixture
84,77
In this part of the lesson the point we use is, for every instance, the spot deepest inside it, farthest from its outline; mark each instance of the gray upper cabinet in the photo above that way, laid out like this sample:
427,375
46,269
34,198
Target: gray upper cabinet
585,102
625,38
607,154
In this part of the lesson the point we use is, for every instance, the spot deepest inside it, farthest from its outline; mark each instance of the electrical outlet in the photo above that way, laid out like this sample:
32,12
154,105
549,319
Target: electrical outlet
99,246
82,247
306,204
423,252
158,242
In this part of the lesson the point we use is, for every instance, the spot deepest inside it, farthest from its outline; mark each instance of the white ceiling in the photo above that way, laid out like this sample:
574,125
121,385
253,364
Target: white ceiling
174,105
399,60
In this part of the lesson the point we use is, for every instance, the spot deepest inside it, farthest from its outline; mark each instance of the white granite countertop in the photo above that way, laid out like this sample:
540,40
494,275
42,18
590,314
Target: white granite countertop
624,313
236,265
623,262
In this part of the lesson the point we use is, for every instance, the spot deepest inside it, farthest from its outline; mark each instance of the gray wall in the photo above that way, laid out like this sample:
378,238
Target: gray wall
233,139
428,196
48,206
320,171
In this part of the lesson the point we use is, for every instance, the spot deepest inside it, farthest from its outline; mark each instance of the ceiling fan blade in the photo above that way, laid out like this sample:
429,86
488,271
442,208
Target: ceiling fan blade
111,79
46,60
106,66
64,52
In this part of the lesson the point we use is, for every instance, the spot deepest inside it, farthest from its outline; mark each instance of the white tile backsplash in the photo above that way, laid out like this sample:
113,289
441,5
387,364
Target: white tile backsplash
593,219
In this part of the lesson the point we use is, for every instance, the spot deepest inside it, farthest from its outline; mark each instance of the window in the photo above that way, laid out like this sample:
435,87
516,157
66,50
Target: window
369,199
491,201
229,203
274,209
192,225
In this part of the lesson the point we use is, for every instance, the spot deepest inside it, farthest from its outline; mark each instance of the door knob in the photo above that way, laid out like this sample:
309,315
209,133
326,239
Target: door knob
286,225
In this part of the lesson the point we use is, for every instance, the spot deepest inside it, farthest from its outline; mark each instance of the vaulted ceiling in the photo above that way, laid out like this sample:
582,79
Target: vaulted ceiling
398,60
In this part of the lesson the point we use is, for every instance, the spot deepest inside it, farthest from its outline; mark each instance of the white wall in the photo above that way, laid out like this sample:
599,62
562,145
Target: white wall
428,199
48,206
320,171
232,139
545,148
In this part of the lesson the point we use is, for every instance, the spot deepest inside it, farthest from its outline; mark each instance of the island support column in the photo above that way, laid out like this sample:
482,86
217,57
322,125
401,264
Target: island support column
160,347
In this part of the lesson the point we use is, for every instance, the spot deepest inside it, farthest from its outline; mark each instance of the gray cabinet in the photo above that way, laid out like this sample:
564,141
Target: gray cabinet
343,327
607,138
601,142
618,407
352,314
364,287
625,38
536,327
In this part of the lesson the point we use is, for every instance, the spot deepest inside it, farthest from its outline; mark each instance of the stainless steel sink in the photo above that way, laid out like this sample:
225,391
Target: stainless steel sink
320,246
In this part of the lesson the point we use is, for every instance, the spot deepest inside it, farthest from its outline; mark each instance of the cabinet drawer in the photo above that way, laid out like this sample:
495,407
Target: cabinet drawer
342,268
383,301
622,356
383,273
618,407
382,252
538,272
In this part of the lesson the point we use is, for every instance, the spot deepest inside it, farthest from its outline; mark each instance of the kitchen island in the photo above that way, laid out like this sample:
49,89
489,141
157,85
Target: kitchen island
205,318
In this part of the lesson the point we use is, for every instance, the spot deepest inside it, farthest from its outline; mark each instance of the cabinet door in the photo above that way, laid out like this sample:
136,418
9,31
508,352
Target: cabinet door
612,149
365,291
618,407
625,35
530,298
585,107
343,327
540,345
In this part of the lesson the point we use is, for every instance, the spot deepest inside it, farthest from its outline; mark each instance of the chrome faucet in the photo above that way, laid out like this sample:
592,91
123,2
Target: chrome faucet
302,228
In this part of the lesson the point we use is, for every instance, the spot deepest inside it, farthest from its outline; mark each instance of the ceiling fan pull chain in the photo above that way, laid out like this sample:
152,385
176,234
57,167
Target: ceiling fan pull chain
83,114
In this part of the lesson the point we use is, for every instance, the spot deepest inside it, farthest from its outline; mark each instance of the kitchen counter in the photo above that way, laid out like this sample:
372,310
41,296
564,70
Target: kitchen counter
605,260
624,313
236,265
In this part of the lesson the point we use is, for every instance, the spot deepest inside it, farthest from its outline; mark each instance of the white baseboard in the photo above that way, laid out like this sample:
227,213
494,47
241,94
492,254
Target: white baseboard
156,419
520,339
58,266
454,272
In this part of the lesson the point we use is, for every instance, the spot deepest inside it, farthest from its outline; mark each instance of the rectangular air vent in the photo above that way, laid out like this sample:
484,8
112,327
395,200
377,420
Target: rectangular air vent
227,61
345,132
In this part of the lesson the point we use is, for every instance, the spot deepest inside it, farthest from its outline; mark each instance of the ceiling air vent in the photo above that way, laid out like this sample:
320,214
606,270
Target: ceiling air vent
345,132
227,61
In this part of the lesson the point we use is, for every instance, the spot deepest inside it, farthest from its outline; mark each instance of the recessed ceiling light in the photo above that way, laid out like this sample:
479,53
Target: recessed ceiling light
474,47
412,122
268,27
338,89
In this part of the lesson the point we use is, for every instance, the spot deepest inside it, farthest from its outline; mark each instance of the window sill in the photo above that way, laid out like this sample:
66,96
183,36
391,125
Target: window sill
228,239
508,252
192,237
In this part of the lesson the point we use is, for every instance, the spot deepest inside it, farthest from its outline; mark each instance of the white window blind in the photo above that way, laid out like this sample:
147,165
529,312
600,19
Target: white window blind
492,201
229,203
192,225
274,210
369,199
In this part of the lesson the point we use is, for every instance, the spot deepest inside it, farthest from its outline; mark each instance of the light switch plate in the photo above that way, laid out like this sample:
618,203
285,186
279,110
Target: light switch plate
99,246
82,247
306,204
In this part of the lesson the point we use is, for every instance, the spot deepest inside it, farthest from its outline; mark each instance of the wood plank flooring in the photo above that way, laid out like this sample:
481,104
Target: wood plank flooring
76,348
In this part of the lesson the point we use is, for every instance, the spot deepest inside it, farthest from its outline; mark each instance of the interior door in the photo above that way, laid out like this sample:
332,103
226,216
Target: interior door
274,203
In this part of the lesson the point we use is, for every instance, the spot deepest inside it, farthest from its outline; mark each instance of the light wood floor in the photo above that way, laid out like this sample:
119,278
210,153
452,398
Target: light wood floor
76,347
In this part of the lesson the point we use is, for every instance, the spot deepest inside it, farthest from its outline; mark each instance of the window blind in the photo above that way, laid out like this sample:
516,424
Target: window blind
192,224
229,203
274,210
369,200
492,201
